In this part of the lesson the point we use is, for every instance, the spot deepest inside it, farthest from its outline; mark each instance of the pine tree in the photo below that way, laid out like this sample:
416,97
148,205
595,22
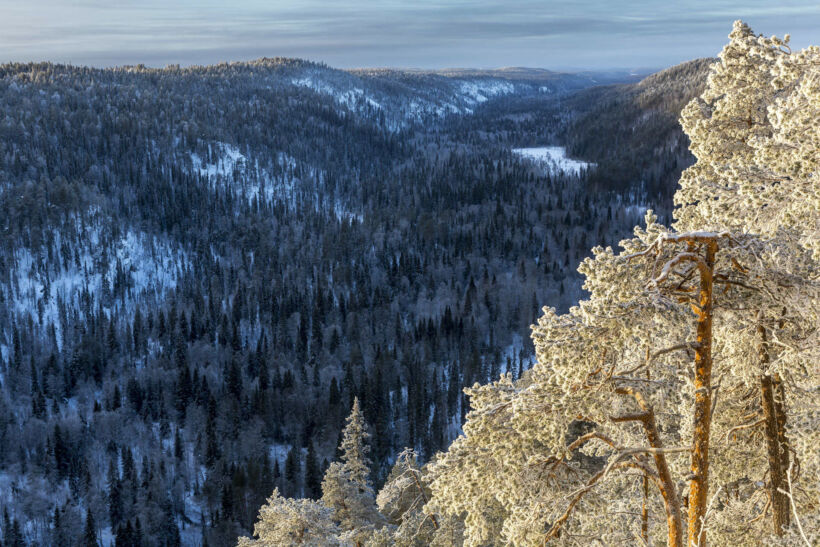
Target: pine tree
90,532
752,133
346,488
313,476
284,521
354,447
293,469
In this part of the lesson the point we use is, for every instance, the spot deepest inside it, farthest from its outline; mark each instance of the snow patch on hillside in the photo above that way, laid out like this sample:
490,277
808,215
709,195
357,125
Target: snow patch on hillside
636,210
480,91
514,354
454,97
229,168
354,98
229,160
113,273
554,158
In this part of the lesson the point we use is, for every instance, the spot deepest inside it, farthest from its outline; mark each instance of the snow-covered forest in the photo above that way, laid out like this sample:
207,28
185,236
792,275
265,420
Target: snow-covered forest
277,303
677,402
201,268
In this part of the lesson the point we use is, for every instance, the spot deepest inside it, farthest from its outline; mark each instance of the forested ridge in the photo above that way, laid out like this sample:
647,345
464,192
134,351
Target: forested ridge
631,130
202,268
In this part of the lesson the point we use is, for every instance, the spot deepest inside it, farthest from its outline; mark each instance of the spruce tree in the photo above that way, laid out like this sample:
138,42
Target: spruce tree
346,488
313,481
90,532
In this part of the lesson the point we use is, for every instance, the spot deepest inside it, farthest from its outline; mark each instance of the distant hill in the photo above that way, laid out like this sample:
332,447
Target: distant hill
527,74
632,132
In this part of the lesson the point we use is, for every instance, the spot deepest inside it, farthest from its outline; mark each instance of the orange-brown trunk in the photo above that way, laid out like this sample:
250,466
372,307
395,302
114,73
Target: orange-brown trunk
699,483
669,492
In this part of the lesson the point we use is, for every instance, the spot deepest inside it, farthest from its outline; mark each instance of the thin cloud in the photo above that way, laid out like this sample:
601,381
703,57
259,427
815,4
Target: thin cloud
585,33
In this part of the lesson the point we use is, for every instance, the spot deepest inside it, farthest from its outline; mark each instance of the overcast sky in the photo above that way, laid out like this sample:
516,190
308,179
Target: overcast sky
570,34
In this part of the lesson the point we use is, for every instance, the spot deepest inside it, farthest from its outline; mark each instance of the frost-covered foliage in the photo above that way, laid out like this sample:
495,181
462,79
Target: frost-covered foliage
402,501
346,487
755,135
284,521
614,384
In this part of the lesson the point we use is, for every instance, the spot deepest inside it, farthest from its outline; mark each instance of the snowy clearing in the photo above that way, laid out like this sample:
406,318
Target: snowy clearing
554,158
351,98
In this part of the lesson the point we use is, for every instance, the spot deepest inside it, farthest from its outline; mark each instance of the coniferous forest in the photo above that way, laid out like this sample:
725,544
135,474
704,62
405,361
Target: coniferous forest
278,303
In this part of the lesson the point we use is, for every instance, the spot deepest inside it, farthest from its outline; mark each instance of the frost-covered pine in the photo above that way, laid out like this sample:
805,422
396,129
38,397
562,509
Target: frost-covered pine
755,135
722,124
354,448
403,491
402,501
612,429
346,486
285,521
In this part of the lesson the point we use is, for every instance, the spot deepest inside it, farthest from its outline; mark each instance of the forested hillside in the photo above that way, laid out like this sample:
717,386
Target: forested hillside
631,131
201,269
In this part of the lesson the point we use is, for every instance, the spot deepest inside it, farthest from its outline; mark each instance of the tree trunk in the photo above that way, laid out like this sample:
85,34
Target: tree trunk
669,492
772,401
777,474
645,506
699,482
645,511
780,406
674,525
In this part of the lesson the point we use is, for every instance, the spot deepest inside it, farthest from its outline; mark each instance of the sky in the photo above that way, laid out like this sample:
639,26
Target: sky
565,35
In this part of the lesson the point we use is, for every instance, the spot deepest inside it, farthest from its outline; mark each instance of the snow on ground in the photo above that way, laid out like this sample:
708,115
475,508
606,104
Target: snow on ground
461,96
149,265
471,92
636,210
479,91
351,98
316,85
233,169
344,214
230,159
554,158
514,353
279,453
107,537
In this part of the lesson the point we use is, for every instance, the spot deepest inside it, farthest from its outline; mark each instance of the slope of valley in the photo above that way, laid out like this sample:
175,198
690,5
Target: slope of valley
200,268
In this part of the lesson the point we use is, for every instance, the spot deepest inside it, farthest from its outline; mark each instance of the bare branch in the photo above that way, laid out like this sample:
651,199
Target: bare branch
639,417
579,494
677,259
583,439
648,361
794,505
744,426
